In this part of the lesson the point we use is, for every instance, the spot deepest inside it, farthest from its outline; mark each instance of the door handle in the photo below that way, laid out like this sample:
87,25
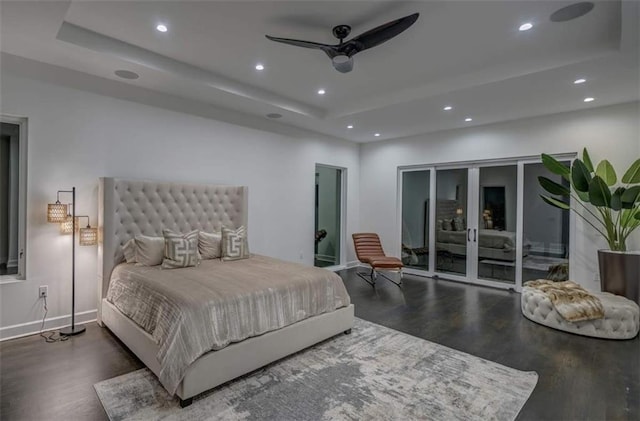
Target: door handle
474,235
468,234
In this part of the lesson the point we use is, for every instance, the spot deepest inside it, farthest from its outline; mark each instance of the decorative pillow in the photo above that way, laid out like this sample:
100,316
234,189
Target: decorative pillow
446,225
180,251
439,224
149,250
129,250
209,245
235,245
458,224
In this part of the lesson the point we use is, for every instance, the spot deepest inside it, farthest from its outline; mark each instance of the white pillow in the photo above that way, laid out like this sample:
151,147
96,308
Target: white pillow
209,245
149,250
129,251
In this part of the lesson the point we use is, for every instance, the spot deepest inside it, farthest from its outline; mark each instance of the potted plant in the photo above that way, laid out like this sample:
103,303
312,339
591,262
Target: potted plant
612,208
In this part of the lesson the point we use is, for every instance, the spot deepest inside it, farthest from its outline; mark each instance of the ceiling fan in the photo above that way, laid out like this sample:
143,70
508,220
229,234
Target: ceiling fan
341,54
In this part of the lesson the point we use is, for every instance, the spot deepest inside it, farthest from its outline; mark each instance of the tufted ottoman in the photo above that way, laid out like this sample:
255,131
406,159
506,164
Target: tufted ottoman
621,316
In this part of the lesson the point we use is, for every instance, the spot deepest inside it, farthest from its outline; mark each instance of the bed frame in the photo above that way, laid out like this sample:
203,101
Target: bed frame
128,208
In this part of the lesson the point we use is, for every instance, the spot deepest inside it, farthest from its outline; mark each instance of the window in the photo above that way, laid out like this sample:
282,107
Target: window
13,185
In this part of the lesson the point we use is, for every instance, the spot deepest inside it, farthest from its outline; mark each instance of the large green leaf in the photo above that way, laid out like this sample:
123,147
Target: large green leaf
555,166
630,196
616,199
637,215
555,202
599,192
553,187
584,196
580,176
633,173
606,171
587,160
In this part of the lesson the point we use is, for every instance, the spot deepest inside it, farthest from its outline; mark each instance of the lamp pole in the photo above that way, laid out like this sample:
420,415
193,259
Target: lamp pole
73,329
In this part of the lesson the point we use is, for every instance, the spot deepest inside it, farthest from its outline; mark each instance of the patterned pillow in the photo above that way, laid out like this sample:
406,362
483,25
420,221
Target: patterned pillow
180,251
235,245
209,245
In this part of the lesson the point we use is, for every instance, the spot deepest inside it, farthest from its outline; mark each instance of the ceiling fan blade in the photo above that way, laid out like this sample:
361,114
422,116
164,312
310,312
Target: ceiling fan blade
299,43
382,33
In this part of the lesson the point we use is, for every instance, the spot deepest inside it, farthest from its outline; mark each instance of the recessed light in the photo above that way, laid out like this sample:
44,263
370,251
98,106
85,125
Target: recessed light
126,74
259,66
274,115
321,92
468,119
376,134
448,108
589,99
573,11
579,81
162,28
350,126
526,26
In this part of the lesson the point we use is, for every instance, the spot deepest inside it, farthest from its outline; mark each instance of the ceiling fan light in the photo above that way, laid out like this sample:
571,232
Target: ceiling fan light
342,63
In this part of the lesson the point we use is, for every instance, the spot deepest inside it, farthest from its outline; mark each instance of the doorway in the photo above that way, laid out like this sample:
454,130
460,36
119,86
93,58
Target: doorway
328,216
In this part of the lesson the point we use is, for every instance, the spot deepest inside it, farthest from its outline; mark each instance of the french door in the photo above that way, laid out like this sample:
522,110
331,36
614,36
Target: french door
482,223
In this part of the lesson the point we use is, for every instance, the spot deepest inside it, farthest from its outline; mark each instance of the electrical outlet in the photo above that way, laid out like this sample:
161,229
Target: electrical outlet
43,291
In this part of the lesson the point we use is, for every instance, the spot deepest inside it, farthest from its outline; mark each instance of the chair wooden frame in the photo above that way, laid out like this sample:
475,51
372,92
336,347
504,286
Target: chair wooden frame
370,252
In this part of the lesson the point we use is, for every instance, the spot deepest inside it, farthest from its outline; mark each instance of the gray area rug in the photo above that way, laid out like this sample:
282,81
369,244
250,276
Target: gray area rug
374,373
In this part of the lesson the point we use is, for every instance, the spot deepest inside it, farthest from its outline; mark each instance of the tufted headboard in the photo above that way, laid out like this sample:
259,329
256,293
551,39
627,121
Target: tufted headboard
130,207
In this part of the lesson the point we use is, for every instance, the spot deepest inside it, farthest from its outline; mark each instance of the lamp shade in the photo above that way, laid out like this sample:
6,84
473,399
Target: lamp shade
56,212
459,211
88,236
66,227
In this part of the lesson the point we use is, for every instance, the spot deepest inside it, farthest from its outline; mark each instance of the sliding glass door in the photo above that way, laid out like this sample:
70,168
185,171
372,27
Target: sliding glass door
496,218
451,221
483,223
416,189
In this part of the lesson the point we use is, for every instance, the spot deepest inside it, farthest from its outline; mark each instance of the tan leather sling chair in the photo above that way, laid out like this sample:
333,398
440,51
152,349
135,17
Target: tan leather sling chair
369,251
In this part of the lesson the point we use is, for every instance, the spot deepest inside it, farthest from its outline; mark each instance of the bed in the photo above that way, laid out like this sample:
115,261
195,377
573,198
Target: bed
265,309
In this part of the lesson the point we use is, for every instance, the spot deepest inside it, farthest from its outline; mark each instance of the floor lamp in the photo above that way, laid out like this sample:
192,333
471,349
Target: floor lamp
59,212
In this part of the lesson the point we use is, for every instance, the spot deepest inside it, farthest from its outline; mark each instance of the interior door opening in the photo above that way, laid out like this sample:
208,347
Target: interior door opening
328,216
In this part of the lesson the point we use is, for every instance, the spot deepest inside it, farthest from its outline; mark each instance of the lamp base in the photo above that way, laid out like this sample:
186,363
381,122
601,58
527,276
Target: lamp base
76,330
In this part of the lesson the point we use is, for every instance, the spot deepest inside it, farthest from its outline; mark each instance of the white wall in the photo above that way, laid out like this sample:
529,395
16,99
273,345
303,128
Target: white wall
76,136
612,132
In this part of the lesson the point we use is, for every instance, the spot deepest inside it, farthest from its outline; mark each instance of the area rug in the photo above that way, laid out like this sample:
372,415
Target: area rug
375,373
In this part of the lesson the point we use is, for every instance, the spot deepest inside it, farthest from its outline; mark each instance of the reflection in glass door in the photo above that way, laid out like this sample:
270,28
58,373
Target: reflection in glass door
497,223
328,207
545,229
415,219
451,221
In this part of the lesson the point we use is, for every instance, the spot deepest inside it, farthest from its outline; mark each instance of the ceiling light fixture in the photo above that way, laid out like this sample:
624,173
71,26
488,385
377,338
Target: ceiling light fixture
259,66
161,28
579,81
321,92
377,134
526,26
448,108
350,126
274,115
589,99
468,119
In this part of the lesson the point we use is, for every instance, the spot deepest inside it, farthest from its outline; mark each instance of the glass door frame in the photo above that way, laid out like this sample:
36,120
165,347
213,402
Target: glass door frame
432,220
342,256
473,204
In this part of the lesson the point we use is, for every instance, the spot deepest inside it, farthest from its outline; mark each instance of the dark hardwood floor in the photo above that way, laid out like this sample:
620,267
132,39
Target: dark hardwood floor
579,378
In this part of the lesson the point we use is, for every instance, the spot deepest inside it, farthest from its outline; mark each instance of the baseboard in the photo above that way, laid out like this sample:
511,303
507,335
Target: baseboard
354,264
52,323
